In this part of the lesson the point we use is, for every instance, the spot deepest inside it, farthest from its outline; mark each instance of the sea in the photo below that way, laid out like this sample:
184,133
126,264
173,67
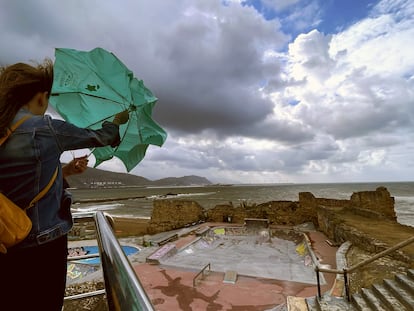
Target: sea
136,202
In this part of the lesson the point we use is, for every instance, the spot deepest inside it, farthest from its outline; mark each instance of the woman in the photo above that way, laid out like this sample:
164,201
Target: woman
34,271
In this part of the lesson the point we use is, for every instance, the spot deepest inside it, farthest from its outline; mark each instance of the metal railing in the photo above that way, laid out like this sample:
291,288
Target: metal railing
201,273
89,217
347,271
122,287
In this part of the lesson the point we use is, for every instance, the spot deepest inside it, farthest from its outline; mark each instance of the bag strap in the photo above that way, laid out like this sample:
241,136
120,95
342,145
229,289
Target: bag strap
12,128
44,191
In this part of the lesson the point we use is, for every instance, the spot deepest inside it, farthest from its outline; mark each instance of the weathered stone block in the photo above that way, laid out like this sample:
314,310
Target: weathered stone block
379,201
172,214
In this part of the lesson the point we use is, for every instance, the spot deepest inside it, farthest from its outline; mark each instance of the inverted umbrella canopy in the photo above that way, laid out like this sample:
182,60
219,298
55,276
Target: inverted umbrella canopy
93,86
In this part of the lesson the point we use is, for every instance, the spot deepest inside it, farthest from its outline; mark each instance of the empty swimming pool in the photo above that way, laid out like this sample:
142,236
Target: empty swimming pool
94,250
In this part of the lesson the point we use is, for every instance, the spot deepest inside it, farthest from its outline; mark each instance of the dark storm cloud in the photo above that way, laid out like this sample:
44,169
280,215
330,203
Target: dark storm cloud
217,66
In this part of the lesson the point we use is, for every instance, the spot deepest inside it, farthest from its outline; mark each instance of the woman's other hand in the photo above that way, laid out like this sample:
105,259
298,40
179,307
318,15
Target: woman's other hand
76,166
121,118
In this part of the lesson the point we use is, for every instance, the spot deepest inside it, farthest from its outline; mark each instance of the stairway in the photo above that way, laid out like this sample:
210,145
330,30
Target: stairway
391,295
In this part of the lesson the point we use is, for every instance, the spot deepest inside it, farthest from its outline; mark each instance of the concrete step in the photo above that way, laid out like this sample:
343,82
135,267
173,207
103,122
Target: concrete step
230,276
372,300
294,303
410,274
391,295
406,282
392,303
329,303
400,293
312,304
360,303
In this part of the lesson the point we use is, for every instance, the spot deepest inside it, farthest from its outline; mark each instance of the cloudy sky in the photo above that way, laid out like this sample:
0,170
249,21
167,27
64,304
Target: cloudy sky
259,91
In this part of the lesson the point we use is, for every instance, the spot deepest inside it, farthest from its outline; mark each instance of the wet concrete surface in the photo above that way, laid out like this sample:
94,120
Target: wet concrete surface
274,259
274,272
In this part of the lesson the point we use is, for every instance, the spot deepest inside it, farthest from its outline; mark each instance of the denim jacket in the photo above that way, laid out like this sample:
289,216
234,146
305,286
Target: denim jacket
29,158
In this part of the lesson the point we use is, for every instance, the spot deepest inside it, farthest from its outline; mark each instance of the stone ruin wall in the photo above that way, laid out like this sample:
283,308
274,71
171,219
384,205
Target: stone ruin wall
275,211
171,214
379,201
278,212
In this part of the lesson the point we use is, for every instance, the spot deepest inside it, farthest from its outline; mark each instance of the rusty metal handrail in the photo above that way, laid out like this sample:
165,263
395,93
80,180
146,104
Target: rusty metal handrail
351,269
382,254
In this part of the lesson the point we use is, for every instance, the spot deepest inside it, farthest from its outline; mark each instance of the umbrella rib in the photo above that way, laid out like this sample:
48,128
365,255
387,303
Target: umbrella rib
87,94
124,134
127,127
138,127
91,95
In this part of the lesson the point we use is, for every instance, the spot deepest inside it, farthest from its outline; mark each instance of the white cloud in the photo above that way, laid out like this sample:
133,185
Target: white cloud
353,86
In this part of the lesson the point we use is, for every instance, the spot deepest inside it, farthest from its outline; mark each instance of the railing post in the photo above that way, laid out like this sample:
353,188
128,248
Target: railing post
319,284
346,285
201,272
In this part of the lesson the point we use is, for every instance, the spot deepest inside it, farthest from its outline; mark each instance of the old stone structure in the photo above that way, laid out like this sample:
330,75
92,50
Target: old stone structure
172,214
169,214
378,201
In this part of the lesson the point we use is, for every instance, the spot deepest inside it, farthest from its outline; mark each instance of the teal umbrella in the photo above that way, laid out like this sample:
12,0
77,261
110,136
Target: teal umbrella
92,86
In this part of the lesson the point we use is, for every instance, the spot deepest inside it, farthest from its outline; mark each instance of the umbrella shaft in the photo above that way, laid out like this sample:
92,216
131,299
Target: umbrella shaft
90,152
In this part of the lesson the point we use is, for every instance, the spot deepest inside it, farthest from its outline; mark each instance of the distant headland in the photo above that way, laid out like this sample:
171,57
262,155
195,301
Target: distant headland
97,178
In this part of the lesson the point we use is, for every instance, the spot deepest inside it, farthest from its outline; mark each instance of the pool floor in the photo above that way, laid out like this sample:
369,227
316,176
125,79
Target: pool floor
94,250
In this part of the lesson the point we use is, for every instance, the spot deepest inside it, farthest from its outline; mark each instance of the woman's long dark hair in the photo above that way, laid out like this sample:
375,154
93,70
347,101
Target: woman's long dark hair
18,84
